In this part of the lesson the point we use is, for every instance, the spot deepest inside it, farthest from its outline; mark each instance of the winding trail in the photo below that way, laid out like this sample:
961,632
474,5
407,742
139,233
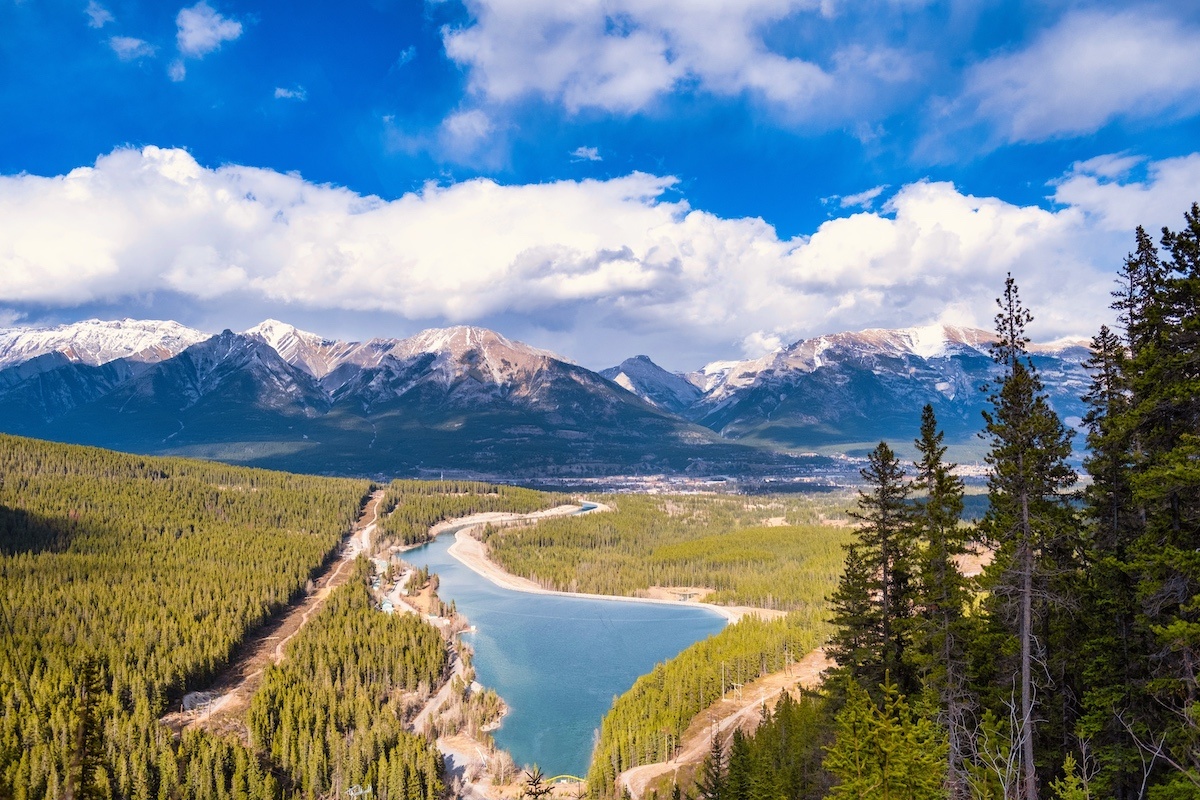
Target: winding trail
230,693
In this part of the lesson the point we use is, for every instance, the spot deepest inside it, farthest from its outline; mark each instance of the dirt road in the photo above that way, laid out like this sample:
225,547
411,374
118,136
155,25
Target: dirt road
726,715
230,693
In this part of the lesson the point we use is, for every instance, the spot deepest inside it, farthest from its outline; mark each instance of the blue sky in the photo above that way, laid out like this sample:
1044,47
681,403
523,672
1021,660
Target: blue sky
692,180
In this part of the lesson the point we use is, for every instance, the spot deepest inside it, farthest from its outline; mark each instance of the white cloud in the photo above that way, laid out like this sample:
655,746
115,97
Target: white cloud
176,70
202,30
615,257
98,16
464,134
584,153
297,93
1088,70
128,48
864,199
623,55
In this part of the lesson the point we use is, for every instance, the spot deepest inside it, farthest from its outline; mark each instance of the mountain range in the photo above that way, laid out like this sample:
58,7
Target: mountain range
468,399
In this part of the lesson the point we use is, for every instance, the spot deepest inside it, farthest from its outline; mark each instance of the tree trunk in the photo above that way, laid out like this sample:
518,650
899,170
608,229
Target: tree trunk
1025,560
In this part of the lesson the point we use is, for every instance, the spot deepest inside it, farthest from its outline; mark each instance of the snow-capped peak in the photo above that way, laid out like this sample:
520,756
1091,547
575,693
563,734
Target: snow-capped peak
459,339
95,342
464,348
313,353
285,339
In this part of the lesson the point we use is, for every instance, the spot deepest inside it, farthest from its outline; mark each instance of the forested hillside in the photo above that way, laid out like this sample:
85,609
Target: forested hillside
720,543
332,714
139,575
645,723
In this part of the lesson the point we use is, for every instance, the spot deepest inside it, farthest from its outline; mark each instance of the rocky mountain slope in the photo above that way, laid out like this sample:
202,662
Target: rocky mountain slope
846,391
655,385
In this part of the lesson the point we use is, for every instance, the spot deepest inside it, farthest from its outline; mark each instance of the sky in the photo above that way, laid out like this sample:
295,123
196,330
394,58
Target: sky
689,179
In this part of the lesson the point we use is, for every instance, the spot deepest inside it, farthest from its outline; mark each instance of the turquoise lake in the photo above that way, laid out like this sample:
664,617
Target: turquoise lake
558,661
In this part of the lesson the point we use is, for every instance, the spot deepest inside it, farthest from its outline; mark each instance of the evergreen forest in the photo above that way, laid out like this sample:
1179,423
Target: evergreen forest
127,581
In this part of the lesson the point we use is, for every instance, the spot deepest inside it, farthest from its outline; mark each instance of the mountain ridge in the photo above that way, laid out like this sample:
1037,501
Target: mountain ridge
464,396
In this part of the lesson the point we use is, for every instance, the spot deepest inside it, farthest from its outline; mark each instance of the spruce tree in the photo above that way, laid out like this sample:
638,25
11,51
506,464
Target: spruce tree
885,537
856,643
1163,423
710,785
1112,652
939,639
1028,515
886,751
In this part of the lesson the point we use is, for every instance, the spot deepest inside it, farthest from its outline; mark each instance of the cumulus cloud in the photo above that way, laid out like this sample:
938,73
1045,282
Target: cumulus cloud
297,93
202,30
176,70
98,16
623,55
584,153
618,255
128,48
1091,68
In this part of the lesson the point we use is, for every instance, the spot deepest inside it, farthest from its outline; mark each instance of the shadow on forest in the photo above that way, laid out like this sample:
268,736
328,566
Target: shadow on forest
23,532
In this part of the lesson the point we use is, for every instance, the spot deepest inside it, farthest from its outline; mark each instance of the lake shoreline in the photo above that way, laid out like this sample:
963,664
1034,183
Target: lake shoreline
473,554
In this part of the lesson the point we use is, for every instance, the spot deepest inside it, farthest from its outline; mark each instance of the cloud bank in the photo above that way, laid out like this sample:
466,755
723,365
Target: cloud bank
622,254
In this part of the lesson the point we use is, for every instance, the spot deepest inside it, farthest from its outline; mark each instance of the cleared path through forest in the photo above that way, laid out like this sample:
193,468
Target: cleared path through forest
726,715
230,693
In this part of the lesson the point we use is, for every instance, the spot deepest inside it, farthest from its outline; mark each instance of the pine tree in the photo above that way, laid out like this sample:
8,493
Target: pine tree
535,784
1028,515
740,771
1113,649
943,593
87,766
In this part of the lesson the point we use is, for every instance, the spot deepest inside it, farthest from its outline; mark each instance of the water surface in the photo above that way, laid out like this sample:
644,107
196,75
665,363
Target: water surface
558,661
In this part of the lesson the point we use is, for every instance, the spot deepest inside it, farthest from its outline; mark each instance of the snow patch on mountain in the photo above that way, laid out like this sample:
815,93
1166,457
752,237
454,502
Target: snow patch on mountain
95,342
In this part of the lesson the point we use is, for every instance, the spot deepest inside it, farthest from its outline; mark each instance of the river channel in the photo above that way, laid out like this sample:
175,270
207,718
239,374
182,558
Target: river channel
558,661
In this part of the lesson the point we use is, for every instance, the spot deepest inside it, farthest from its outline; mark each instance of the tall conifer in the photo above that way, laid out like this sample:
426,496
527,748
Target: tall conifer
943,593
1027,495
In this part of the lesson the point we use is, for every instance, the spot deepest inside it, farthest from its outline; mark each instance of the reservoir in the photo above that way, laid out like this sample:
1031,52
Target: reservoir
558,661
